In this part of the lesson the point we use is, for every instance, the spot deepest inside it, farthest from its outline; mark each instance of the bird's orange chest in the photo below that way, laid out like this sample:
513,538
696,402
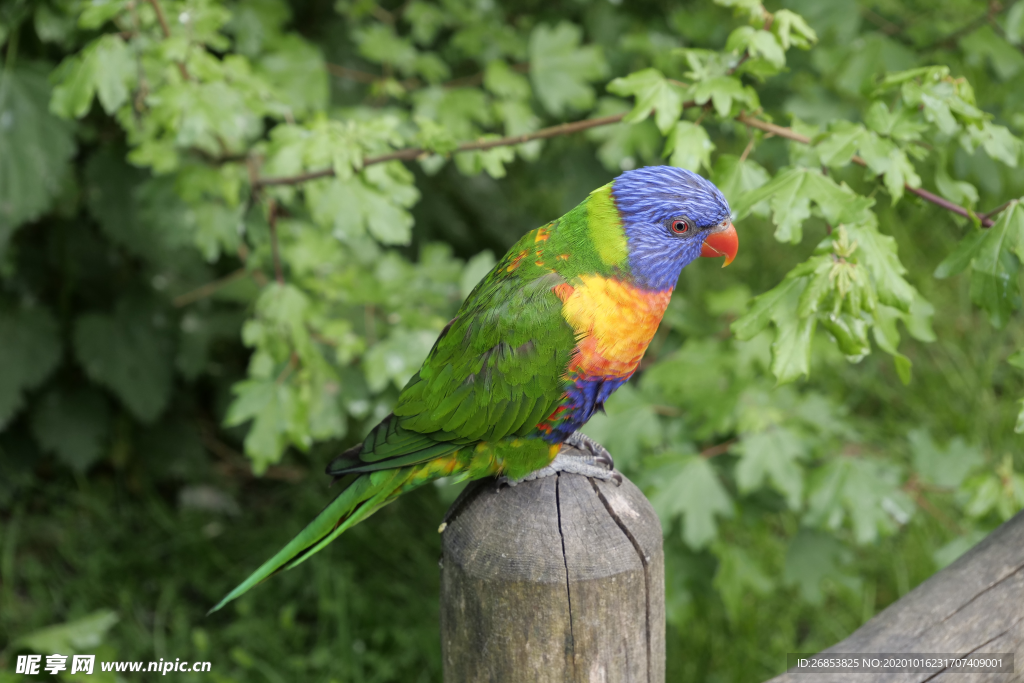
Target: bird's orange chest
614,323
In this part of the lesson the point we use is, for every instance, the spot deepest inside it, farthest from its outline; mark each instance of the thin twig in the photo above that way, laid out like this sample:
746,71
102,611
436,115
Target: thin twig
478,78
999,209
208,289
747,149
167,33
767,127
352,74
717,449
790,134
949,206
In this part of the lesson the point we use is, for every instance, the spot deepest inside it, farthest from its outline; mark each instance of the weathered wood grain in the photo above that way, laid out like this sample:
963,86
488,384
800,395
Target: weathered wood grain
555,580
976,605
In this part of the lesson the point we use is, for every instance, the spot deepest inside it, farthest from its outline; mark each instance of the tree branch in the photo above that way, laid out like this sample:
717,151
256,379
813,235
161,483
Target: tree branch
167,33
413,153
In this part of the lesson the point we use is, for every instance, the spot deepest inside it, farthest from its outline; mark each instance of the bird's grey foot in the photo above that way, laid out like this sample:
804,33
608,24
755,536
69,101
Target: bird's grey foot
579,455
583,443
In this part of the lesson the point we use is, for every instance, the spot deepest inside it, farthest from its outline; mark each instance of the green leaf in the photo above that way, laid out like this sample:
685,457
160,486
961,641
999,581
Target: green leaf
792,29
1015,24
690,146
999,143
961,257
276,419
373,202
752,8
652,92
735,177
628,428
561,69
985,45
502,81
217,229
397,358
380,43
759,43
884,157
32,349
624,146
491,161
838,147
791,350
737,576
690,487
878,253
82,635
35,148
772,454
426,20
98,12
866,492
1000,492
130,353
724,92
763,308
295,68
115,72
105,68
811,557
946,467
996,264
957,191
255,24
790,194
73,424
902,125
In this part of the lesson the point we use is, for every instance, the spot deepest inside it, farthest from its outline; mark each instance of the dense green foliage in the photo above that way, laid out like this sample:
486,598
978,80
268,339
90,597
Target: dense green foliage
163,310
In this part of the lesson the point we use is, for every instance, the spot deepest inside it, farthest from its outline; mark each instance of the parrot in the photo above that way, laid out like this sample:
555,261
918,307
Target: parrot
538,346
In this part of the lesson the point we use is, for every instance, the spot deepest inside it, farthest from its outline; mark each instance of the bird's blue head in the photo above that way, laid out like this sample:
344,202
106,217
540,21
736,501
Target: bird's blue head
670,217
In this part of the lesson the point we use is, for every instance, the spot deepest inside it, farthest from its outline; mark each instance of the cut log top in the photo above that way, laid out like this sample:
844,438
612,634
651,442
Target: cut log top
557,579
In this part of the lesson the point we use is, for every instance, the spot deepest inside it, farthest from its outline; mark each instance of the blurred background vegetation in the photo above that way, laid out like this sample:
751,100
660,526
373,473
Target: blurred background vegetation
184,346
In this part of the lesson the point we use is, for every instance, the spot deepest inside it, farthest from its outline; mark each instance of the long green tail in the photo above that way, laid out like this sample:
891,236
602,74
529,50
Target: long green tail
368,491
366,494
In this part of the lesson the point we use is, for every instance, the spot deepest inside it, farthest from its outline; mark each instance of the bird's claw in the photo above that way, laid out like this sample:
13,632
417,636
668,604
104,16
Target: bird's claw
582,442
579,455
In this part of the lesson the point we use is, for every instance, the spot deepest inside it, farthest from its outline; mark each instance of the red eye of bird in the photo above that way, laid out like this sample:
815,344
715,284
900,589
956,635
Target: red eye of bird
681,226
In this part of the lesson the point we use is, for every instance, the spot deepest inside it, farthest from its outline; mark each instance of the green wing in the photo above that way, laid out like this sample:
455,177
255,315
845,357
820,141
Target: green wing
496,370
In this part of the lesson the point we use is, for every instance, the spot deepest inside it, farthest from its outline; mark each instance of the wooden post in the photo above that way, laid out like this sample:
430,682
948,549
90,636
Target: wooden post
554,580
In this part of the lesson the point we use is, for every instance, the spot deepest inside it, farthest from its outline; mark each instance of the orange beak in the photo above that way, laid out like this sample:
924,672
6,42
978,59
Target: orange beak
723,243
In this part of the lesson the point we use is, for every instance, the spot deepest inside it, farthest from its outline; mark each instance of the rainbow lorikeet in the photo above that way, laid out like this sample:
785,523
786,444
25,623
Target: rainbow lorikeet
558,324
